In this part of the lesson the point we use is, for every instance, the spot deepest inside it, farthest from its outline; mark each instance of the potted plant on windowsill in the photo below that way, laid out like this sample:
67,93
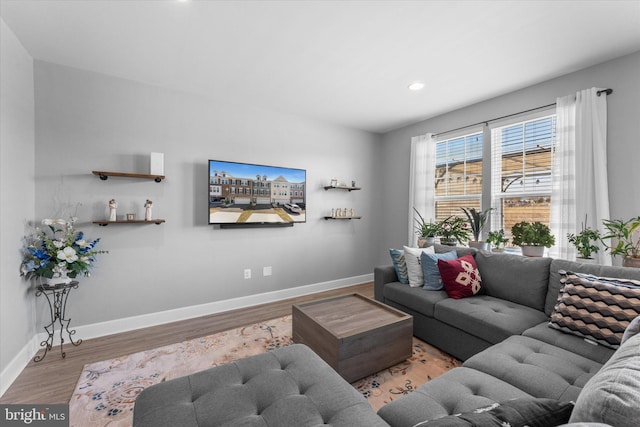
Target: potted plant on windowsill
532,237
584,242
627,235
477,220
426,231
497,239
453,230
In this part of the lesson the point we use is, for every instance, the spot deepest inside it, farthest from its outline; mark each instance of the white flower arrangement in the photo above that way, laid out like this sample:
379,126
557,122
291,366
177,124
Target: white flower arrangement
64,252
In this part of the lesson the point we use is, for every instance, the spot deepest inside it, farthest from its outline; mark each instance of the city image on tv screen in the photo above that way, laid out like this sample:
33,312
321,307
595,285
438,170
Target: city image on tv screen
243,193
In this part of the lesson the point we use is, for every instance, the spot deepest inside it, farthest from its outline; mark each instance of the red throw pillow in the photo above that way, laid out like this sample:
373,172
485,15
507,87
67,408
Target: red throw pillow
460,276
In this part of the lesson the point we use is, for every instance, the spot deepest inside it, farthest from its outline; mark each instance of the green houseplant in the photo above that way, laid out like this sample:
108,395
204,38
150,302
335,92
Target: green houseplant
532,237
426,231
497,239
477,220
627,240
453,230
584,241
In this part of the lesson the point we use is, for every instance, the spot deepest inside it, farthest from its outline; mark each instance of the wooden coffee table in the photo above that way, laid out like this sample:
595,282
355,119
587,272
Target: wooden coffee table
355,335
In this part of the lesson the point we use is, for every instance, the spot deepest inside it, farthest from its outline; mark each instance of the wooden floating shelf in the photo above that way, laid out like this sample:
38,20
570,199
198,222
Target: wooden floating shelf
104,175
135,221
341,187
345,217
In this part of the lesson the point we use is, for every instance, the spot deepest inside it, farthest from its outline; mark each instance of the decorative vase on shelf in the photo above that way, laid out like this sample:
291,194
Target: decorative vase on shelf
633,262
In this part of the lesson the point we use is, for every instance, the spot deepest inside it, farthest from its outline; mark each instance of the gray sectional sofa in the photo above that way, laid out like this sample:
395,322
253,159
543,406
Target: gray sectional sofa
503,337
513,363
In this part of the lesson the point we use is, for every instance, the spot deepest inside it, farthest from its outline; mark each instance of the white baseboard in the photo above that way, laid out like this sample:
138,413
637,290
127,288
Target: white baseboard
95,330
18,363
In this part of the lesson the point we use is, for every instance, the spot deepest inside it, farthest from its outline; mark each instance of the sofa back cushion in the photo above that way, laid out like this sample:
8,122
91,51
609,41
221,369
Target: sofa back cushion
558,265
611,395
515,278
460,250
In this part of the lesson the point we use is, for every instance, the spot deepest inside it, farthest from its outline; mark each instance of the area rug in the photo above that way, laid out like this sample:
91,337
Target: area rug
107,390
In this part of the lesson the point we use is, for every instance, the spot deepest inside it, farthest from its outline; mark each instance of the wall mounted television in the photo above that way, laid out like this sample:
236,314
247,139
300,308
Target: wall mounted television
246,194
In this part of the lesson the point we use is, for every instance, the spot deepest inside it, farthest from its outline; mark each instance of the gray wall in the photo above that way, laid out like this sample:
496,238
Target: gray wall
623,139
87,121
17,198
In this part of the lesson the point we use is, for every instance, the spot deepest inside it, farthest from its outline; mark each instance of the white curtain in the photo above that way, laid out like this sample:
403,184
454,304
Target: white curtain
421,182
580,186
563,179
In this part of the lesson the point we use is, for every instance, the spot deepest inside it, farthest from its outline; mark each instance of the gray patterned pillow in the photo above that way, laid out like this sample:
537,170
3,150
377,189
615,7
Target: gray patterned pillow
596,308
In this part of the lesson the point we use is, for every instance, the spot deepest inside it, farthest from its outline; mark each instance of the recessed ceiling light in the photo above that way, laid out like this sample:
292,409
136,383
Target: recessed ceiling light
416,86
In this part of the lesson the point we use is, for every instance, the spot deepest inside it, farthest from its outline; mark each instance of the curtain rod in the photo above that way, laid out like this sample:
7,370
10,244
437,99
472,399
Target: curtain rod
486,122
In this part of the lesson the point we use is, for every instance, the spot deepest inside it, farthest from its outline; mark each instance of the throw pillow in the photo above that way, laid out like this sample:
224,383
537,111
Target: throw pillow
414,269
461,277
632,330
520,412
400,265
432,279
611,395
596,308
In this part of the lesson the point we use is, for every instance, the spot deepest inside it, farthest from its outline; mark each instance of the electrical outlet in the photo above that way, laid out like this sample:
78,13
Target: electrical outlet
247,273
266,271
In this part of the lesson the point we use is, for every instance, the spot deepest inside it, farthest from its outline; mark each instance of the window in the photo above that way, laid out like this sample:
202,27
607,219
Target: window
521,172
458,175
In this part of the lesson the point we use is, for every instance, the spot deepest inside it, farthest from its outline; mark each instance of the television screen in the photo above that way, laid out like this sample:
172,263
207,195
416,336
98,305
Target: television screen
242,193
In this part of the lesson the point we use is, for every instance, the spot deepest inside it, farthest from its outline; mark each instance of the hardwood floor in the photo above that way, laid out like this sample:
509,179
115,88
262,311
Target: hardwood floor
53,380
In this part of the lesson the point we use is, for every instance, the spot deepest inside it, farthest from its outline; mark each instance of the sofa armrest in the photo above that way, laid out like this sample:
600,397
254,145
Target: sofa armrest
382,275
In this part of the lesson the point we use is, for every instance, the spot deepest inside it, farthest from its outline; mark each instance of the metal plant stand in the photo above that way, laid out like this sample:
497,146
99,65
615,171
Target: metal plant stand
57,296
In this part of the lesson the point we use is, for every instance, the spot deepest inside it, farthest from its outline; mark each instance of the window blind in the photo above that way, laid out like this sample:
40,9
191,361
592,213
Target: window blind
458,175
521,172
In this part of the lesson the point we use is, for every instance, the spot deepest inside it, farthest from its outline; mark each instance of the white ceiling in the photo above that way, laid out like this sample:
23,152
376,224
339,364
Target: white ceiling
344,62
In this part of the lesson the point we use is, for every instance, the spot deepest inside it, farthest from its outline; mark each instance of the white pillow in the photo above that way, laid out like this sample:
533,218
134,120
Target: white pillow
414,269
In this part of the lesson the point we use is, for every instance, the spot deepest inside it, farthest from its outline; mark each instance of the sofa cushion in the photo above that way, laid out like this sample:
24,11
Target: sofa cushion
611,396
578,345
460,250
596,308
432,278
558,265
460,277
486,317
416,299
515,278
414,269
538,368
530,412
399,265
459,390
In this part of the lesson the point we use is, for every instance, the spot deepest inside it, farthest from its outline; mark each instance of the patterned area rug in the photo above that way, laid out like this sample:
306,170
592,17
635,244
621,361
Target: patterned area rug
107,390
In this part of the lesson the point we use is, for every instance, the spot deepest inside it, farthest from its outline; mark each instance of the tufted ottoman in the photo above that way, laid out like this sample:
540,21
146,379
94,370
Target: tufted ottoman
289,386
